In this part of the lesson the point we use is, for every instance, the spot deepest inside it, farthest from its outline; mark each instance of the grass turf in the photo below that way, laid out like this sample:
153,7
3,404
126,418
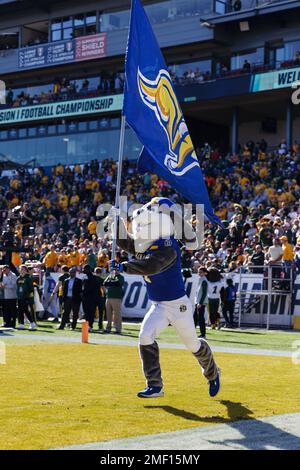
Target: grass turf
60,394
251,338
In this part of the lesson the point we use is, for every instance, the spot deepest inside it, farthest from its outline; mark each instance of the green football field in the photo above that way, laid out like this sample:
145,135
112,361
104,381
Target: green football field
55,392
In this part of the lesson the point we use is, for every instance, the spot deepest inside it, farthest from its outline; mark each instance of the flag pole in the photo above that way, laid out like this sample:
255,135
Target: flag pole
118,187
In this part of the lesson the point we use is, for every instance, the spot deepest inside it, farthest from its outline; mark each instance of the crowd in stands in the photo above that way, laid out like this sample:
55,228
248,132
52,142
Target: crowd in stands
190,76
65,89
110,83
255,193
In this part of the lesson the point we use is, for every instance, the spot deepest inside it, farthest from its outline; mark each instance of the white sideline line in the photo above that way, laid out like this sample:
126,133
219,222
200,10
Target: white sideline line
121,342
281,432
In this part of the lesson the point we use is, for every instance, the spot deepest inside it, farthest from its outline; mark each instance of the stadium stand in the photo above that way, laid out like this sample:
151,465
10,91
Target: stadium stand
255,193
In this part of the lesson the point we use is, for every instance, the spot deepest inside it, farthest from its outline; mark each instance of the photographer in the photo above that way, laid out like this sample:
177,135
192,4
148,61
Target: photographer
8,243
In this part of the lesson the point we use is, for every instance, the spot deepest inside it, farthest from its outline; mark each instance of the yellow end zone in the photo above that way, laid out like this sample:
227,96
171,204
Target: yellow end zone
54,395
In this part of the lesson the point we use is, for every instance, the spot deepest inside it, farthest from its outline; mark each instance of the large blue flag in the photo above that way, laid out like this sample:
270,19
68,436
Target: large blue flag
151,108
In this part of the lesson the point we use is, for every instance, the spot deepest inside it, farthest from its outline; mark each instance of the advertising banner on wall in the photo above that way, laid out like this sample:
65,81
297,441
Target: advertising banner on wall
90,47
275,80
254,306
60,52
61,109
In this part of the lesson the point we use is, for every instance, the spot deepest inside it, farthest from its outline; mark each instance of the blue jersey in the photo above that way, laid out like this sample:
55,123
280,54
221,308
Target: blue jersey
231,293
48,288
167,285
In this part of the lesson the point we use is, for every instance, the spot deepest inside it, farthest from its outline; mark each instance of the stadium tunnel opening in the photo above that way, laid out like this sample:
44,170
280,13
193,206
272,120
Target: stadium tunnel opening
203,132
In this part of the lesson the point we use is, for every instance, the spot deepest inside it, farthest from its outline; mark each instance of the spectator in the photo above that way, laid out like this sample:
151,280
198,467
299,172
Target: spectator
222,252
265,233
257,259
25,293
287,252
237,6
91,259
114,294
228,296
85,86
51,259
92,226
58,290
49,299
31,302
89,295
201,301
9,286
101,299
103,259
288,257
26,219
247,66
10,97
72,291
74,257
215,284
297,256
274,256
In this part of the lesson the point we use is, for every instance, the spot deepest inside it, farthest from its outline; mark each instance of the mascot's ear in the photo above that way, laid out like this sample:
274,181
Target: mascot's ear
190,238
183,230
188,234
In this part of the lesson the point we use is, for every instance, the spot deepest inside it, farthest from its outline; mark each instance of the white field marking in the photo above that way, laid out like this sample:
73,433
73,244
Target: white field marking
281,432
34,338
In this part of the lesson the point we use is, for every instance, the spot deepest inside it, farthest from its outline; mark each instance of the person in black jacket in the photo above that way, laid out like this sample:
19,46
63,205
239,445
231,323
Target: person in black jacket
101,299
257,259
237,6
72,290
201,301
26,219
228,297
89,295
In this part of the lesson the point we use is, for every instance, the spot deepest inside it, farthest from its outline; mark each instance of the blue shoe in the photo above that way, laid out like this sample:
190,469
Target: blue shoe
214,385
151,392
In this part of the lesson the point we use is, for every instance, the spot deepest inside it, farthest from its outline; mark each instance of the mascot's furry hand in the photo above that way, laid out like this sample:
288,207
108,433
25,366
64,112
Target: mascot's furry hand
115,266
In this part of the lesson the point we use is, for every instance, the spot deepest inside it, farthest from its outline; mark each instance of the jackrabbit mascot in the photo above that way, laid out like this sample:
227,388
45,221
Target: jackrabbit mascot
157,257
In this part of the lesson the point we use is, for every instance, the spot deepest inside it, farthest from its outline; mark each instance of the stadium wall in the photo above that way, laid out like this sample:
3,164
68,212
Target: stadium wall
254,129
136,302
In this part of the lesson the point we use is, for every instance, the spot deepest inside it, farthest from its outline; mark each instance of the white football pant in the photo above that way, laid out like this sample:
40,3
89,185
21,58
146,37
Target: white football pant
178,313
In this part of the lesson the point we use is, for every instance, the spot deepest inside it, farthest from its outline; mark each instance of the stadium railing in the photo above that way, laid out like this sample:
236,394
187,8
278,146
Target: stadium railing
276,280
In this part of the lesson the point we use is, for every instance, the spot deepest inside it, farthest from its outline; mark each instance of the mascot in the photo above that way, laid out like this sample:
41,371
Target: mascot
152,243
